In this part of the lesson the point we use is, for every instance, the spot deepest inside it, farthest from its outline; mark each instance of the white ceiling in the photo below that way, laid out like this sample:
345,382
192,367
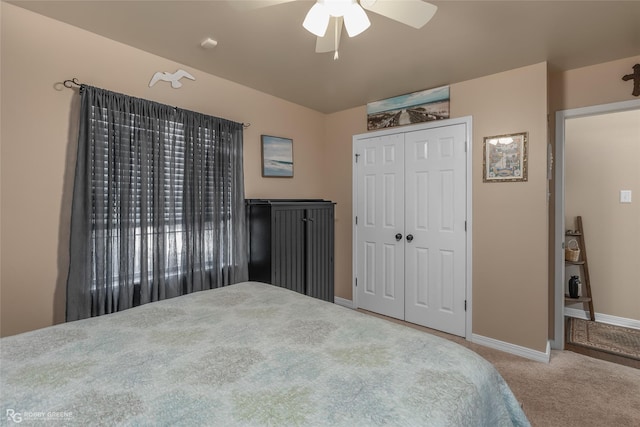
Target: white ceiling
267,48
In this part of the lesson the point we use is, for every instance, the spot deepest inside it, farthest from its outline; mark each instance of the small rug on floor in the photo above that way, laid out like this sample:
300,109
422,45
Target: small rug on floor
616,340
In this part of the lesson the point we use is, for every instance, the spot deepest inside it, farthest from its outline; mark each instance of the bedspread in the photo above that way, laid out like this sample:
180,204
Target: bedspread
249,354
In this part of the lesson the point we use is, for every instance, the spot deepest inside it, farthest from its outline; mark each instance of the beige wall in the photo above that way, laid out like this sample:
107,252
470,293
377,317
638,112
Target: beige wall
510,220
602,157
582,87
593,85
339,179
38,146
37,176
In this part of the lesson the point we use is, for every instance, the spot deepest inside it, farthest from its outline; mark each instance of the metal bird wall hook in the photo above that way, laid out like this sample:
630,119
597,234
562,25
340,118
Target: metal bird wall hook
173,78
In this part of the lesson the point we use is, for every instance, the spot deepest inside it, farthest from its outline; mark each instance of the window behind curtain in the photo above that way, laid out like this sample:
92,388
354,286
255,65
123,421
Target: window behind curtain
158,207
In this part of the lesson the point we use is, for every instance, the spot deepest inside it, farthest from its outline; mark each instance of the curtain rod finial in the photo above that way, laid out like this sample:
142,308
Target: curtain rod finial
71,83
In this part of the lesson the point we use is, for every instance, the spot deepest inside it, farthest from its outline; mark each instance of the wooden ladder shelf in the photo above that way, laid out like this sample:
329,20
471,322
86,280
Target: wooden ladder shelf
583,265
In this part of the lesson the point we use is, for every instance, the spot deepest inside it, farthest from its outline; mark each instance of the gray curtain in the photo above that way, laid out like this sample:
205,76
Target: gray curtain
158,204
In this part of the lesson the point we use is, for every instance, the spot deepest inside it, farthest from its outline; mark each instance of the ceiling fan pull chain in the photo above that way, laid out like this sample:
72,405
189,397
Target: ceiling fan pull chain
335,55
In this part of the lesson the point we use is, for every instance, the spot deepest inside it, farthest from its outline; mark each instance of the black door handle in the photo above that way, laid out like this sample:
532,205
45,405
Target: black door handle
398,237
409,237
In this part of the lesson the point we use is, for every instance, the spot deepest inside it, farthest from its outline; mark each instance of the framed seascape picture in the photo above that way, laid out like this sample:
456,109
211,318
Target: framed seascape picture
417,107
505,158
277,157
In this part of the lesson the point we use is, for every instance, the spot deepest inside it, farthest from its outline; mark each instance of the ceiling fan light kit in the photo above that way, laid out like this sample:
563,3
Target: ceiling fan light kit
323,13
317,20
355,18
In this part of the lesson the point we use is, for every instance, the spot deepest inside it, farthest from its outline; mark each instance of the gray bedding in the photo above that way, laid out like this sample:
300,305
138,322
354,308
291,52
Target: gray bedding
247,355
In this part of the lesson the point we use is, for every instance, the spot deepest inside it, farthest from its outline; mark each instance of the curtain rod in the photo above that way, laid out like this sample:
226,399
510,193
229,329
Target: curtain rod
74,82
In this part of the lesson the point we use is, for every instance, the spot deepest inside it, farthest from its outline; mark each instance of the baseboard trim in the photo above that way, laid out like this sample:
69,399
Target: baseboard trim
603,318
343,302
514,349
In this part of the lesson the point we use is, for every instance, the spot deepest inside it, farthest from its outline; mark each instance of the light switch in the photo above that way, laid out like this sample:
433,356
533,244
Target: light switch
625,196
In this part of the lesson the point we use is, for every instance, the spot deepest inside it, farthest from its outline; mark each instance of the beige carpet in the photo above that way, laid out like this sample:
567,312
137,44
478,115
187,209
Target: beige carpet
602,337
572,390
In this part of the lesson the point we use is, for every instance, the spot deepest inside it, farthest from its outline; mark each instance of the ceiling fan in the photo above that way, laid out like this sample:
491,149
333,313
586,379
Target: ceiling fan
415,13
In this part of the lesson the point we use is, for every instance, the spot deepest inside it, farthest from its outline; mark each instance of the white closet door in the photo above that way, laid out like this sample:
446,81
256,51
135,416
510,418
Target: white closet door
435,214
380,213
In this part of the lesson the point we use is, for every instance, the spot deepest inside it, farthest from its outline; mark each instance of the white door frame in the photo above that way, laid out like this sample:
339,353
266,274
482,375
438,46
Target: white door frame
468,121
558,334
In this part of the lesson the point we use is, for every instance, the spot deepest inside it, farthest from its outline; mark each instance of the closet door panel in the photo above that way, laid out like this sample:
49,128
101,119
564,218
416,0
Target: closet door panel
435,213
380,212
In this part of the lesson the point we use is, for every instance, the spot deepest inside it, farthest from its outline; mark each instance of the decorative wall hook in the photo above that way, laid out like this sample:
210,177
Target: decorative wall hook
173,78
636,79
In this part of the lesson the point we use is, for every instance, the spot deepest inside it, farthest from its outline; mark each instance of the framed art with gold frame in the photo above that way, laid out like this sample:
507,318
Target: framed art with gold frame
505,158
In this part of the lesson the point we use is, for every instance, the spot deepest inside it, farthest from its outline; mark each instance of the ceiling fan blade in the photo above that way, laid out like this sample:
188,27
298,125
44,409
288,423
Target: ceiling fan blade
244,5
328,42
414,13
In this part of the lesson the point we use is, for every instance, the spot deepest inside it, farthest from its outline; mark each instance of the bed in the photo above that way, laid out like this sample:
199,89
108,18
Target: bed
249,354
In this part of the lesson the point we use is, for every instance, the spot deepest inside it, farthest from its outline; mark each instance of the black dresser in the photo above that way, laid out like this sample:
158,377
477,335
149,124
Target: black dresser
291,244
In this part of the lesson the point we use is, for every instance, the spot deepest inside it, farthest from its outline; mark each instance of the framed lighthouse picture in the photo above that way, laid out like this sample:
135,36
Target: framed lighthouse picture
505,158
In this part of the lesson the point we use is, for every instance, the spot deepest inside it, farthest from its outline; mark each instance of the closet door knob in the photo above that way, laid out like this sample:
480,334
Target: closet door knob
398,237
409,237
